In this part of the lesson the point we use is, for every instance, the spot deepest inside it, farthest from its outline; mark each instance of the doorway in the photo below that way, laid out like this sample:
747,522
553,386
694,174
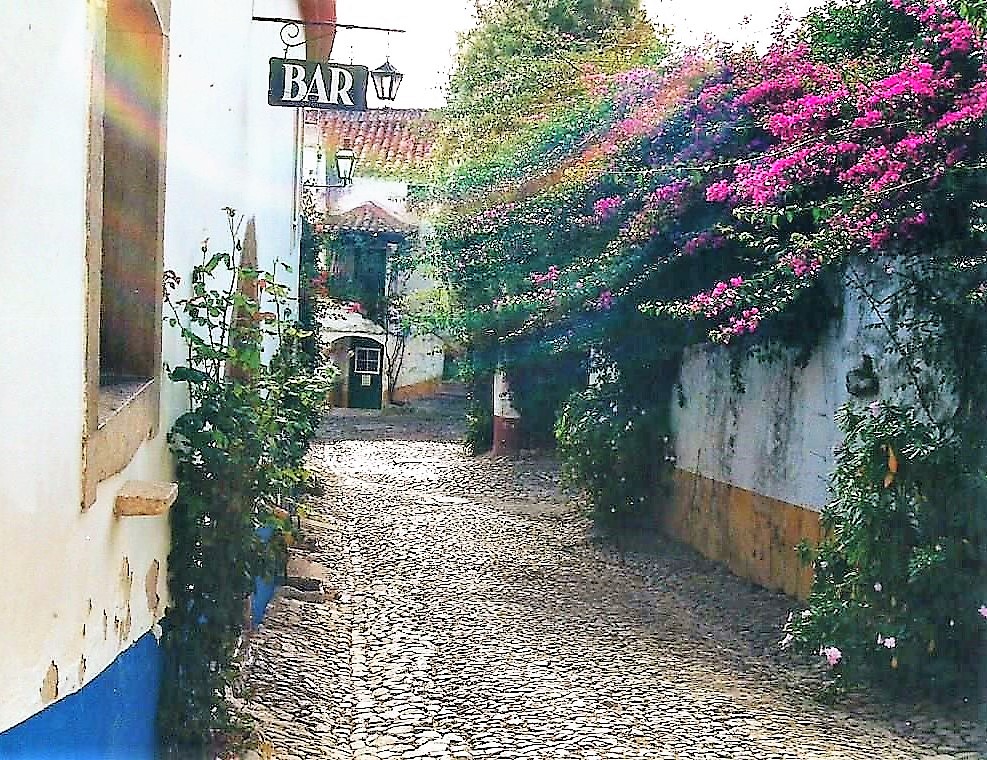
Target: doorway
366,373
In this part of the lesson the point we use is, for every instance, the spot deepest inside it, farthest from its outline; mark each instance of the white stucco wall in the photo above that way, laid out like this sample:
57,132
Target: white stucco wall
63,571
776,438
226,145
386,193
423,360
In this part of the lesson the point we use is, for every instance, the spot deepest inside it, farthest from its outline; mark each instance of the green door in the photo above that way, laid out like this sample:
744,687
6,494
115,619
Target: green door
366,374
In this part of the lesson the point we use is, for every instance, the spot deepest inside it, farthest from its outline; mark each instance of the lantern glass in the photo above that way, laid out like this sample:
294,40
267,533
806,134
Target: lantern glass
387,80
345,164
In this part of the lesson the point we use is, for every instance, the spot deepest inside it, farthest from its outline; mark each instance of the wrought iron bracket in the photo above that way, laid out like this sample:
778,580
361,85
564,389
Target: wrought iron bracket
291,29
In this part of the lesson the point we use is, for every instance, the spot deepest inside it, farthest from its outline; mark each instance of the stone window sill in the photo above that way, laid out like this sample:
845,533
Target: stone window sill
127,416
145,499
115,393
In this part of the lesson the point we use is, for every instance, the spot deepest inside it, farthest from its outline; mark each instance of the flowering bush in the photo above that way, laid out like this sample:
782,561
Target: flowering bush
900,582
610,446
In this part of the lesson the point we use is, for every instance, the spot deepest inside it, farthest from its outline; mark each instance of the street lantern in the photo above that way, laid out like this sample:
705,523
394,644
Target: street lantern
387,80
345,164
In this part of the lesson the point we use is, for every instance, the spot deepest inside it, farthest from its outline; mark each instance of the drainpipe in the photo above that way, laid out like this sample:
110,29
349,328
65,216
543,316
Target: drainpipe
506,418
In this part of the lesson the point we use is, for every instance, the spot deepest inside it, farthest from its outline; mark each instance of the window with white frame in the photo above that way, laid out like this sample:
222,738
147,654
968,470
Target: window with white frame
367,361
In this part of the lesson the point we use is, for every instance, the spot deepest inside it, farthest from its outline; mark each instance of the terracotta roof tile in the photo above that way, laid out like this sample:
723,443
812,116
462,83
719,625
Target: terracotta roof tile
369,218
386,141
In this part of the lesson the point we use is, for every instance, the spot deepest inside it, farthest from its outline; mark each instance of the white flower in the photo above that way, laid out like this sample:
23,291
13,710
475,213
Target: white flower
878,587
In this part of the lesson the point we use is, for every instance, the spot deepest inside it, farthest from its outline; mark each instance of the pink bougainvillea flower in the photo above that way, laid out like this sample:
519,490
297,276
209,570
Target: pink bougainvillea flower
983,610
605,208
802,266
718,191
832,655
890,642
550,276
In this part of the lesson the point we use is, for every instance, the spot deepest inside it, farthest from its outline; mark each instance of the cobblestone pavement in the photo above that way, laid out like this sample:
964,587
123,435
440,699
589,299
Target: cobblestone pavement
469,614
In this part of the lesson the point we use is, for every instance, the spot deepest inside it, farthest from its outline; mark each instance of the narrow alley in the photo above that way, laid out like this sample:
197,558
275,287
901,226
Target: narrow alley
468,612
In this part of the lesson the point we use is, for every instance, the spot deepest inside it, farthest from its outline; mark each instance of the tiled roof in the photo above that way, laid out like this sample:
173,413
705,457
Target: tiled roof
369,218
387,141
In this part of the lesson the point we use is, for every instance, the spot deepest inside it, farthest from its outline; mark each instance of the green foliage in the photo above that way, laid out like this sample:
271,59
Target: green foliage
540,385
310,308
239,452
479,403
525,62
617,450
361,264
858,32
974,11
901,577
479,418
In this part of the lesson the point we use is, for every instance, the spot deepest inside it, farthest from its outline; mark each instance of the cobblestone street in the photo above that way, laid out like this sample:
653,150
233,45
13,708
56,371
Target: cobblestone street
469,613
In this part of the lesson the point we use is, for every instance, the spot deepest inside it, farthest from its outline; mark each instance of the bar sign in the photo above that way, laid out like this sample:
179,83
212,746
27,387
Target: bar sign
317,84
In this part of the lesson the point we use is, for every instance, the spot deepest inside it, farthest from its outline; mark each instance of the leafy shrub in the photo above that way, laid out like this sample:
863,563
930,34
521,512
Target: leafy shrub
901,577
540,386
617,451
479,416
239,452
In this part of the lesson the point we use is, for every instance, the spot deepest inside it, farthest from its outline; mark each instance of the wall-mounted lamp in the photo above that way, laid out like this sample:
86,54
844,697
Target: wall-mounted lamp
345,166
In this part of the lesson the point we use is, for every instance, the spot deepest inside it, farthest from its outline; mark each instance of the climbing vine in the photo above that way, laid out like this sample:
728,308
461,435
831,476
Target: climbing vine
239,452
311,306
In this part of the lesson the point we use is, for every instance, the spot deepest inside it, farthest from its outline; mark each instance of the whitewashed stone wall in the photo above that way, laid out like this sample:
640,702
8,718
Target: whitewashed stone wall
776,438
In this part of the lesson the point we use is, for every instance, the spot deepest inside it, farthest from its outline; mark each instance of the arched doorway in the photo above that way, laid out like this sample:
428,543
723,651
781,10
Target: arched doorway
361,359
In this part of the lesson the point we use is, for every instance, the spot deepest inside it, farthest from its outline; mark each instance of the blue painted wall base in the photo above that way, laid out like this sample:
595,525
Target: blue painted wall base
263,593
112,718
264,588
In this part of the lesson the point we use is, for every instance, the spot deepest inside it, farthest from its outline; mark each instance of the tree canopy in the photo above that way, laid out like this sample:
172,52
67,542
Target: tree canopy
526,61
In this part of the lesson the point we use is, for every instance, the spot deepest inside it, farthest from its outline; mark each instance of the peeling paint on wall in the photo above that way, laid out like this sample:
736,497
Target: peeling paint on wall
126,577
151,587
49,687
126,625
